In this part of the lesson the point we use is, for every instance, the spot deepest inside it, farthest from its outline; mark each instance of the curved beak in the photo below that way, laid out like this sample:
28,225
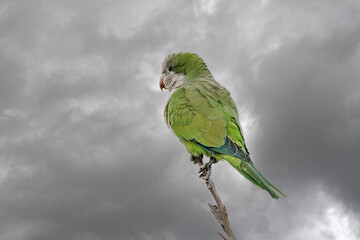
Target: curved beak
162,82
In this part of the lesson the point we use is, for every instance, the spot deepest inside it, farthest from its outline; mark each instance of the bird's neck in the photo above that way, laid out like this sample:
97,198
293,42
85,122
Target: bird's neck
177,82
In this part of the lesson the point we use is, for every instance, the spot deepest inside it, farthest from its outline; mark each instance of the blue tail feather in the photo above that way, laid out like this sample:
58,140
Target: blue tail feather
237,156
229,148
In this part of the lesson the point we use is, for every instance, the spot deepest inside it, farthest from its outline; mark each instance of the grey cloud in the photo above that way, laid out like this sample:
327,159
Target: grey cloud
85,152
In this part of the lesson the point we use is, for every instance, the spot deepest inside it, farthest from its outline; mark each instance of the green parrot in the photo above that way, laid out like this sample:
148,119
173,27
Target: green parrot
204,117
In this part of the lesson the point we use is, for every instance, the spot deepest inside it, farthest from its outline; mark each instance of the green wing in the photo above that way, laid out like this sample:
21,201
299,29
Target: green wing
192,117
204,111
217,94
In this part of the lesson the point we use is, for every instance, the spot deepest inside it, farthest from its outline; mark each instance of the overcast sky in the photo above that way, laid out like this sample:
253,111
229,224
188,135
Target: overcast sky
86,155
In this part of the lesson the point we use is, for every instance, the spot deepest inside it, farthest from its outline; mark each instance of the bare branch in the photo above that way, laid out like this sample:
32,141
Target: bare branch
219,210
222,236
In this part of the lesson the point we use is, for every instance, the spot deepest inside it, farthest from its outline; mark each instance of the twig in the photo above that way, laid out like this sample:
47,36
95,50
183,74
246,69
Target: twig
222,236
219,210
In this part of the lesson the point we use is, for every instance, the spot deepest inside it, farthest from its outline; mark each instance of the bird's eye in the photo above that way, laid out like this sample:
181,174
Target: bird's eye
171,68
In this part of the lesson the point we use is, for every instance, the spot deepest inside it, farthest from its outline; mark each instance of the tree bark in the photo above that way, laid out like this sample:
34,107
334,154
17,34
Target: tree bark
218,210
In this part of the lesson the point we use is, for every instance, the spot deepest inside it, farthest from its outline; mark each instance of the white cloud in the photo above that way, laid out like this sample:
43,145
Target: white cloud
328,219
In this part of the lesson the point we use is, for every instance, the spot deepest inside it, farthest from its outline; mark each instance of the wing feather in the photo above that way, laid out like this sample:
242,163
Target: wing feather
205,112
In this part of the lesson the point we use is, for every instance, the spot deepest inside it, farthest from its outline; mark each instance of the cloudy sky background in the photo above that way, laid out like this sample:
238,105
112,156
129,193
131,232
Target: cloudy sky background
85,152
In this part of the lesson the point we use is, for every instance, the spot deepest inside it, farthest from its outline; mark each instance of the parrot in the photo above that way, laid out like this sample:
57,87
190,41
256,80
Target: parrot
203,115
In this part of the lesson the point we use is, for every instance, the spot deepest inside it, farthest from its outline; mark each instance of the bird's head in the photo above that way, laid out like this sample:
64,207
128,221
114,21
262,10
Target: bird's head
179,68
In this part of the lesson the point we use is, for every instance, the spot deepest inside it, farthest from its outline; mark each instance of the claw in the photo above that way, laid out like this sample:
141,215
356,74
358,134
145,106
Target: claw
206,173
196,159
205,170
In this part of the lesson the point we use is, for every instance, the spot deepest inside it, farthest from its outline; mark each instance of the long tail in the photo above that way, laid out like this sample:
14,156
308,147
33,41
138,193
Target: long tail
248,170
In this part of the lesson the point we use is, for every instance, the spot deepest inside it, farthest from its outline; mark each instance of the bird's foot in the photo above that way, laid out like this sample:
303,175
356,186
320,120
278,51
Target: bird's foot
197,159
205,170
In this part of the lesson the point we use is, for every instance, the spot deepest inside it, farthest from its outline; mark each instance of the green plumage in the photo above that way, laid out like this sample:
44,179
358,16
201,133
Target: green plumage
203,115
